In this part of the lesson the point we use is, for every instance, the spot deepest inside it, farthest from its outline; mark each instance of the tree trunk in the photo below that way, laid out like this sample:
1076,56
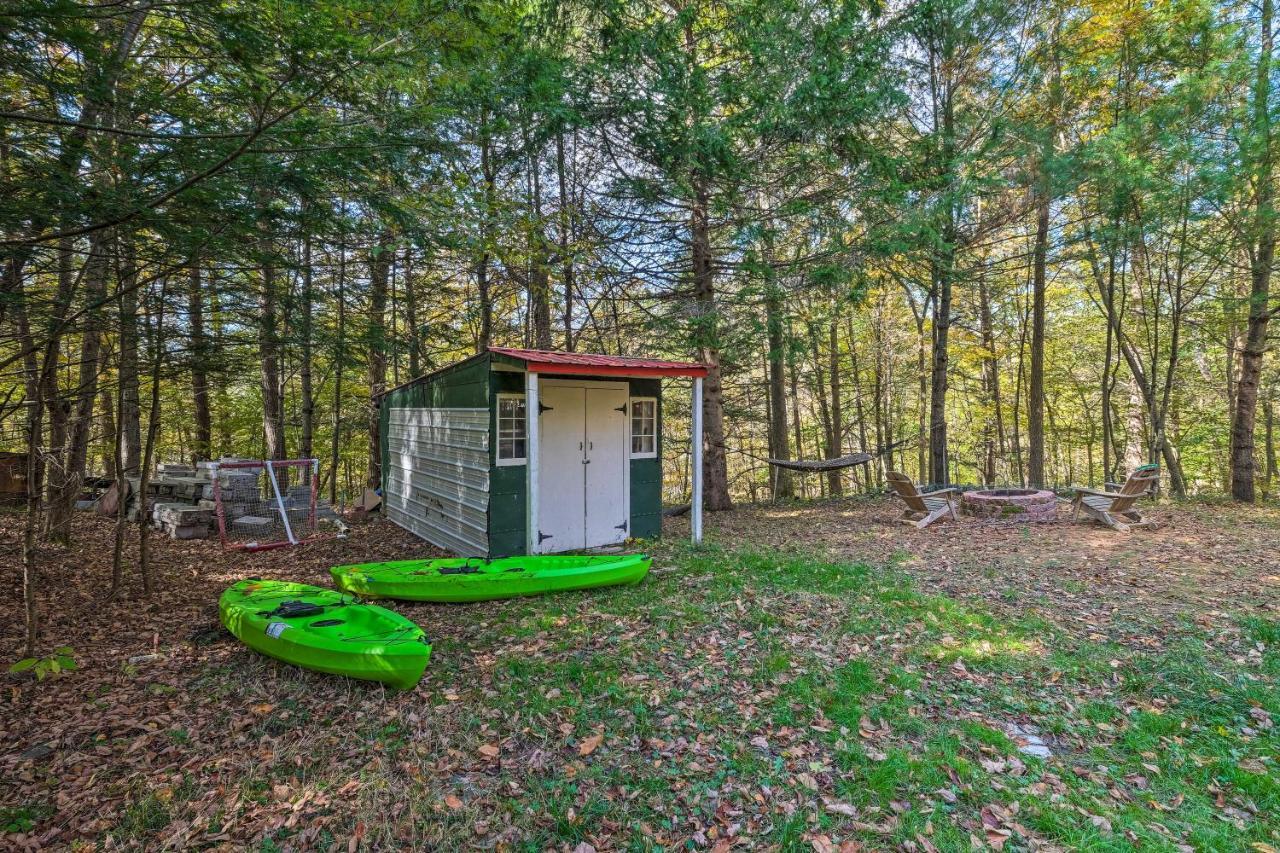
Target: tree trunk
922,401
794,393
783,482
938,467
539,296
122,506
153,431
75,449
411,317
199,364
269,323
1261,259
107,403
339,359
35,384
858,407
1134,455
715,463
306,447
992,428
566,241
376,352
1269,438
486,237
835,478
130,405
1035,395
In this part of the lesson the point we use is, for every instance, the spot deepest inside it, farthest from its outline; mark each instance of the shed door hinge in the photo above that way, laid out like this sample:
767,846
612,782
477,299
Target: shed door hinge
544,408
622,527
542,536
622,408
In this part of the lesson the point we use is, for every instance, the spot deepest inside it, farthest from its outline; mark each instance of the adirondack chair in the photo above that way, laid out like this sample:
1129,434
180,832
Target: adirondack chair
923,508
1115,508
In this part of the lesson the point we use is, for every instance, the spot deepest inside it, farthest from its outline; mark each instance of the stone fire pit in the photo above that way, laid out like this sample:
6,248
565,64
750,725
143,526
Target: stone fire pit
1010,504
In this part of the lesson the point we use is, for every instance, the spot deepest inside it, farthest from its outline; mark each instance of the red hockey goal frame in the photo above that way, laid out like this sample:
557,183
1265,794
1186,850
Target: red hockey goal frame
270,467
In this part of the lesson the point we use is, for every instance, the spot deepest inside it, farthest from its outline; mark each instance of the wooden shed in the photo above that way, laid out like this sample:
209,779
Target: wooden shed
13,477
516,451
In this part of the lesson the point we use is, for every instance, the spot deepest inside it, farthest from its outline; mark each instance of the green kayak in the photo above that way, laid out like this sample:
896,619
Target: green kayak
326,631
482,580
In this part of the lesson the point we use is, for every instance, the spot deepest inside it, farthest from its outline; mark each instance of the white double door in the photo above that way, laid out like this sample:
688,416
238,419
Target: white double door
584,479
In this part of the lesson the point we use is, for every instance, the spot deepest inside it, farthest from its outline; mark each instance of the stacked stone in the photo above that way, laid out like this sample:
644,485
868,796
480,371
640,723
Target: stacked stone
1012,505
180,501
182,521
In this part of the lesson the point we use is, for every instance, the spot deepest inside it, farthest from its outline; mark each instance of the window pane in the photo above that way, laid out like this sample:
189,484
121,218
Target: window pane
511,428
644,426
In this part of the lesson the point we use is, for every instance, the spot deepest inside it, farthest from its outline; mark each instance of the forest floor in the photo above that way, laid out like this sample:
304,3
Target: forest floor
816,677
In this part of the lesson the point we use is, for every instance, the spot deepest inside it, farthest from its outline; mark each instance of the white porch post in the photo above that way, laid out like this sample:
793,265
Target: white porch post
695,510
531,462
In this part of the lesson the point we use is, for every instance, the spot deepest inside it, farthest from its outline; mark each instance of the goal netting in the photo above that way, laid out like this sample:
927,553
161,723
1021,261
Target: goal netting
263,504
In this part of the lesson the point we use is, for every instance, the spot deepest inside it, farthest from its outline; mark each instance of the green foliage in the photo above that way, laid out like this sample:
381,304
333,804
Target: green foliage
56,663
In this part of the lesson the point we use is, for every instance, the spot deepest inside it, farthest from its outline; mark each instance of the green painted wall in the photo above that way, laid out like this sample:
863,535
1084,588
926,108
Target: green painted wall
646,474
506,482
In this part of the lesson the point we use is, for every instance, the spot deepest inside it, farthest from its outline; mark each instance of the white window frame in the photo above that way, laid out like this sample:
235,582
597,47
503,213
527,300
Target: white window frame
497,432
631,413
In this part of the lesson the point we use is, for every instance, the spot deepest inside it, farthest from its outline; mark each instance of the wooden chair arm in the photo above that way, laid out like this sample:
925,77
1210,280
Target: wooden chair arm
1080,490
1149,490
937,492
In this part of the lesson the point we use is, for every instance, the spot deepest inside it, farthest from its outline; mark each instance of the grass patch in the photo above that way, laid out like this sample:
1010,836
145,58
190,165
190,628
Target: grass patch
766,697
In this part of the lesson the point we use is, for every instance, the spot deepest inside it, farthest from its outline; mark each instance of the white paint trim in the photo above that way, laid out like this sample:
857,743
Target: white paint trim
532,445
631,401
497,432
695,513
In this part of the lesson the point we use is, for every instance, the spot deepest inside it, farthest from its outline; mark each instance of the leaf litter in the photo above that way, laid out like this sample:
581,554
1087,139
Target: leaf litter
795,702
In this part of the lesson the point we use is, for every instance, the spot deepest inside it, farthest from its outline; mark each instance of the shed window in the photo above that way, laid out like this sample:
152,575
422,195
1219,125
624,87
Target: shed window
512,441
644,427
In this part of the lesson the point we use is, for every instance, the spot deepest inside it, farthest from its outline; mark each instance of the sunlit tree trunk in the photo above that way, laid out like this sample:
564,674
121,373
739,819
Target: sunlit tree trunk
1035,395
1262,249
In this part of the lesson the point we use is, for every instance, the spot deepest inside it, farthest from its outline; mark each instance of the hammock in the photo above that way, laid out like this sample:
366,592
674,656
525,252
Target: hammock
834,464
824,464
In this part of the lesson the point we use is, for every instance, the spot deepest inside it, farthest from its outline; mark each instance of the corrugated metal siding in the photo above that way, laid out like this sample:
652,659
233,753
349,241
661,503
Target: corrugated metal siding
437,475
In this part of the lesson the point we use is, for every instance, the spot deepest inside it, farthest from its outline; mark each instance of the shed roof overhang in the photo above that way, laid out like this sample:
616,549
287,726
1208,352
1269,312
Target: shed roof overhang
592,364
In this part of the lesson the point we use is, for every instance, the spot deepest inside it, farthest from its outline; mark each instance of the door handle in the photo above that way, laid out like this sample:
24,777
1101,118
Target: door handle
586,461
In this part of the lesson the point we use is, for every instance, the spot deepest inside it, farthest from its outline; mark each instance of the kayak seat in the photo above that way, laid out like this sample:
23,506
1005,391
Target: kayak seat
459,570
293,609
327,623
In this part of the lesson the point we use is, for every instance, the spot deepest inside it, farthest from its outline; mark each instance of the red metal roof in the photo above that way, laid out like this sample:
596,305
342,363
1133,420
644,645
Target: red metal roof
546,361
